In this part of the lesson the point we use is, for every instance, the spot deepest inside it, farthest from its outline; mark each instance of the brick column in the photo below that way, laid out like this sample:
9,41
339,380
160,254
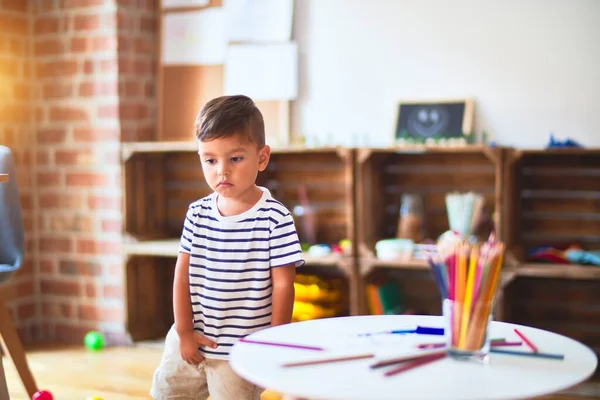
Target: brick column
80,273
17,132
76,79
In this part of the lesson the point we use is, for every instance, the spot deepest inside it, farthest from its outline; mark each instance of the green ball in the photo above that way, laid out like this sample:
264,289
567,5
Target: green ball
94,340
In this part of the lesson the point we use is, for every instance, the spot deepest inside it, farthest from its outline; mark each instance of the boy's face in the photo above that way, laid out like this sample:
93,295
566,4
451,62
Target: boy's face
231,164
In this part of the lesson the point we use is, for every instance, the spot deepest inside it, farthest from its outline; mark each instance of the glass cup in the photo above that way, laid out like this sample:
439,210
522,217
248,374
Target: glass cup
466,329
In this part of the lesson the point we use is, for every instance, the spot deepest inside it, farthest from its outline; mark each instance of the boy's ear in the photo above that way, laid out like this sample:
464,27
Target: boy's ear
264,155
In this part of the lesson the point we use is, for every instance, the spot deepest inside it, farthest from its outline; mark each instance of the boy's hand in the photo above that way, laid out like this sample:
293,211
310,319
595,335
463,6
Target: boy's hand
188,346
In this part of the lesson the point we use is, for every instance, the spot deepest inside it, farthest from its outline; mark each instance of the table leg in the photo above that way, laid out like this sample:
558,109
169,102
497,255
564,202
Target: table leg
3,388
11,343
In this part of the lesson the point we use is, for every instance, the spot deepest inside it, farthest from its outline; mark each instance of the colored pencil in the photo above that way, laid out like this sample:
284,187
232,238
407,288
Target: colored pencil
328,360
466,311
278,344
412,357
419,330
415,364
498,343
481,311
528,354
527,341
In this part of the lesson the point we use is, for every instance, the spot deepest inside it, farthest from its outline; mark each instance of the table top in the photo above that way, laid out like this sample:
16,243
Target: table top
503,377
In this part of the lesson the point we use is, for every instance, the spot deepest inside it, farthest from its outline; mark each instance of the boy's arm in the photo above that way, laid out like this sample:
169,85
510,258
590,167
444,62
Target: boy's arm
182,308
283,294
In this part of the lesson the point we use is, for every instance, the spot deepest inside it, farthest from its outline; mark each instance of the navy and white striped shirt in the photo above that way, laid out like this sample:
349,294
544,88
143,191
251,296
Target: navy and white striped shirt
230,267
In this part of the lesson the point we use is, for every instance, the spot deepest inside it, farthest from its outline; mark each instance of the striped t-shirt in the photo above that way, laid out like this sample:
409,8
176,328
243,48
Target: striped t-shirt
230,267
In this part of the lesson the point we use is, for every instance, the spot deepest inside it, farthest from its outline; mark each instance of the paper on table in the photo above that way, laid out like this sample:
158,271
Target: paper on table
264,72
194,37
259,20
184,3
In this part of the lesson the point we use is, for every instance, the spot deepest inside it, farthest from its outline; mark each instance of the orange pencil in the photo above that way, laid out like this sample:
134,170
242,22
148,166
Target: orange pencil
466,312
483,305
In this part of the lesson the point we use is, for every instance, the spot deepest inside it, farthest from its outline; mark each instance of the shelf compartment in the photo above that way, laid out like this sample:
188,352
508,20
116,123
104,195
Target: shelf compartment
555,202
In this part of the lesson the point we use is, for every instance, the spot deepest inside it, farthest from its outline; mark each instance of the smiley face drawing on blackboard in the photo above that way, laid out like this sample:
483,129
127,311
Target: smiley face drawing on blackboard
425,120
428,120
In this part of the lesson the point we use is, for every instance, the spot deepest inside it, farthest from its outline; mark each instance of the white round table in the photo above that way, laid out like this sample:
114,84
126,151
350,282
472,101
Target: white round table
503,377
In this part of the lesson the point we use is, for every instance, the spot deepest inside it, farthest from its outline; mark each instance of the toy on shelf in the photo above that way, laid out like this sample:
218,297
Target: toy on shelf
305,216
567,143
319,250
410,224
572,255
384,298
394,249
317,298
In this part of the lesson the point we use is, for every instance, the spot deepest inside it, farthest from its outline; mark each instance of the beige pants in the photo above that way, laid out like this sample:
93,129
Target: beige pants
176,379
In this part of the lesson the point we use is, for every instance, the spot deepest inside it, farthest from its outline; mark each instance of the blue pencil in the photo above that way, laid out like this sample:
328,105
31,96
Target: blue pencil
528,354
420,330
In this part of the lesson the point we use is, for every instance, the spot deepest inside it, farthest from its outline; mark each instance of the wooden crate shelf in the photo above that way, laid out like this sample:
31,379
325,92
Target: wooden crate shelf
162,178
555,202
149,296
169,248
565,306
384,174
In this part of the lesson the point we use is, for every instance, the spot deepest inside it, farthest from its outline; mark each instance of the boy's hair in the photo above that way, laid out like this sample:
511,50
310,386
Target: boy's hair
226,116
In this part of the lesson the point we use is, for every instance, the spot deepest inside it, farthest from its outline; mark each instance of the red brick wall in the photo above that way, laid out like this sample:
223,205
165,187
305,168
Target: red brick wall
76,79
78,171
94,73
17,132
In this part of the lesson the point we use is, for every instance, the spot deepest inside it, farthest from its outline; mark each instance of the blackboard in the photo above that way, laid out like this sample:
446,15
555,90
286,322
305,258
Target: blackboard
434,119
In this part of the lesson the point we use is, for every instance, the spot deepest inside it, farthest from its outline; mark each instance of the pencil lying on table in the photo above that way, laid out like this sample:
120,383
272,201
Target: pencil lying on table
412,357
414,364
499,343
328,360
279,344
527,341
528,354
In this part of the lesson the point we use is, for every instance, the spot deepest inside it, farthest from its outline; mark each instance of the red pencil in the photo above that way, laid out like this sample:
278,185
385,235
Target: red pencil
411,357
527,341
415,364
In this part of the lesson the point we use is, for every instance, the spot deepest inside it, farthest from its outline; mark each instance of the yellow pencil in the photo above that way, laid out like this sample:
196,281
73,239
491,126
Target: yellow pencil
483,306
466,312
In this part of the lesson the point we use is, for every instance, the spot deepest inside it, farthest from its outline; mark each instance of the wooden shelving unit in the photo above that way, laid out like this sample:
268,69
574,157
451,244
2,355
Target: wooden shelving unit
162,178
357,194
384,174
555,201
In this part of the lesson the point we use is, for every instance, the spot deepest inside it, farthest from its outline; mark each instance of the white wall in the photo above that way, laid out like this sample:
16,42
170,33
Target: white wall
532,66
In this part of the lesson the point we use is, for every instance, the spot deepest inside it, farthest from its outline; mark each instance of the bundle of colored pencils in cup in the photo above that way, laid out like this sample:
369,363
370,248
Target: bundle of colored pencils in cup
467,276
